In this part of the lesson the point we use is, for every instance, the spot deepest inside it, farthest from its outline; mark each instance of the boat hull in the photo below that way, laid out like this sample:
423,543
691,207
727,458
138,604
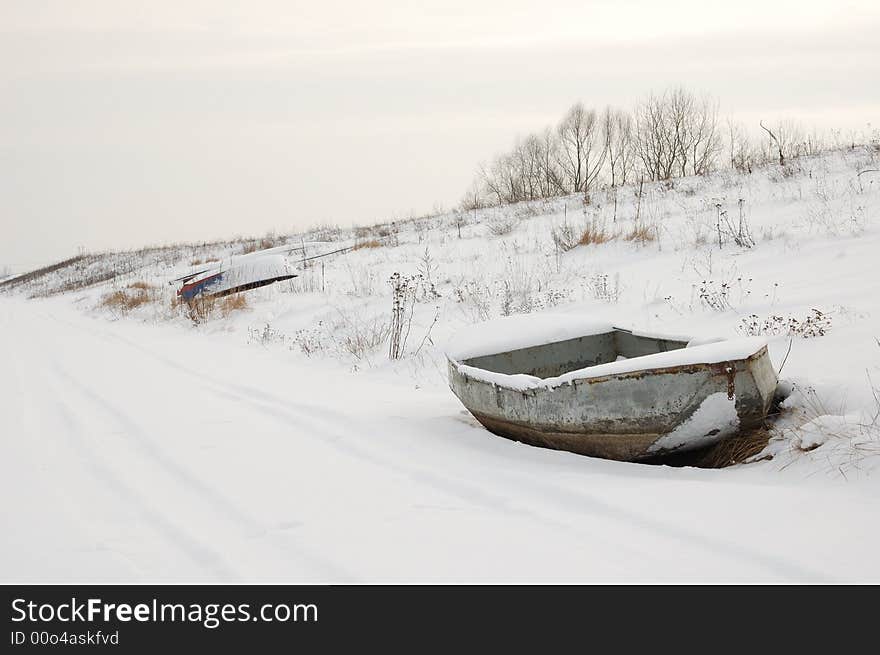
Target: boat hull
630,416
243,276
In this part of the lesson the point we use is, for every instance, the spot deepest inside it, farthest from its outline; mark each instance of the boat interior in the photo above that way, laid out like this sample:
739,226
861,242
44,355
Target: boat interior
560,357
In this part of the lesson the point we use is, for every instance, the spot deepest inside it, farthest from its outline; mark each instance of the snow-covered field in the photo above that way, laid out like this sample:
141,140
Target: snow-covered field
277,442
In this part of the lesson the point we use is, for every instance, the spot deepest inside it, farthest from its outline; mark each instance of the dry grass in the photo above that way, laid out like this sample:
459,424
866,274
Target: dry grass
132,297
235,302
203,308
268,241
641,233
198,309
372,231
207,260
594,234
371,243
737,449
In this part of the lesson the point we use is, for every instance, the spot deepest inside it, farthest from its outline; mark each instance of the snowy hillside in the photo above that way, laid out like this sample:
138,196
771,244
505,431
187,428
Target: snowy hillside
269,436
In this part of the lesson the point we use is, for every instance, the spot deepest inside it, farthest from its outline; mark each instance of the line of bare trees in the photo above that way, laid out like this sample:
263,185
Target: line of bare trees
671,134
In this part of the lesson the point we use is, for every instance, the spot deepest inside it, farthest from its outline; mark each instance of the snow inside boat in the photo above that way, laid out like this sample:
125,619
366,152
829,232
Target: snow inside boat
569,383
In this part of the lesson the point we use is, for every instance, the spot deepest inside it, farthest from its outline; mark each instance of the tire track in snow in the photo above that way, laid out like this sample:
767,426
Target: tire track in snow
220,505
577,501
204,556
267,404
235,390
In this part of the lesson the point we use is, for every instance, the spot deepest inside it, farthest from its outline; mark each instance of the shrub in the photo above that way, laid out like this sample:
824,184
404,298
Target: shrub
714,296
594,233
350,335
265,336
564,237
815,324
403,290
501,226
602,289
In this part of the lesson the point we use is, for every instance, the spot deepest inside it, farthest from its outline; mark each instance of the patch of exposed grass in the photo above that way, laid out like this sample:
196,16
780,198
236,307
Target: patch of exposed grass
641,233
132,297
232,303
371,243
141,284
198,309
594,234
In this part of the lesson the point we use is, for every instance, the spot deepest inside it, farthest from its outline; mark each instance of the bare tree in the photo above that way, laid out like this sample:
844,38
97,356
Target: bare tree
503,178
677,134
742,154
473,199
527,157
702,137
554,183
776,142
583,146
652,142
670,134
618,126
788,141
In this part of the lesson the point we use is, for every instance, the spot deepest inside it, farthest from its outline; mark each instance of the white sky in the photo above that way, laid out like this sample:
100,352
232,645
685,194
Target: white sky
128,123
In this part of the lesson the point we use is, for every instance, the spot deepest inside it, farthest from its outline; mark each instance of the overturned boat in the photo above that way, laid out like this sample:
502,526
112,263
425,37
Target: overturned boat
251,271
570,383
235,276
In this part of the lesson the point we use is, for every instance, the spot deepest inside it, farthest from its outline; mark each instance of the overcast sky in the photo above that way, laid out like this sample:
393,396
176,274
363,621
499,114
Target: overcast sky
128,123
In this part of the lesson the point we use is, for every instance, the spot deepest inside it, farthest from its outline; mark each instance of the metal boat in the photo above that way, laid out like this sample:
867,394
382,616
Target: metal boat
615,393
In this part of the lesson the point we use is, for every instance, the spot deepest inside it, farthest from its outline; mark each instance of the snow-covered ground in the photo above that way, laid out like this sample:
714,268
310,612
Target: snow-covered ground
277,442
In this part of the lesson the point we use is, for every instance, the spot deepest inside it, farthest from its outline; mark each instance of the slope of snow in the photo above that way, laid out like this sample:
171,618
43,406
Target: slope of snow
278,442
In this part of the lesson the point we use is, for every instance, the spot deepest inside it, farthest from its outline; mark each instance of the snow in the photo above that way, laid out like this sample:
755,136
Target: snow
517,382
516,332
711,353
247,271
714,419
264,445
526,331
